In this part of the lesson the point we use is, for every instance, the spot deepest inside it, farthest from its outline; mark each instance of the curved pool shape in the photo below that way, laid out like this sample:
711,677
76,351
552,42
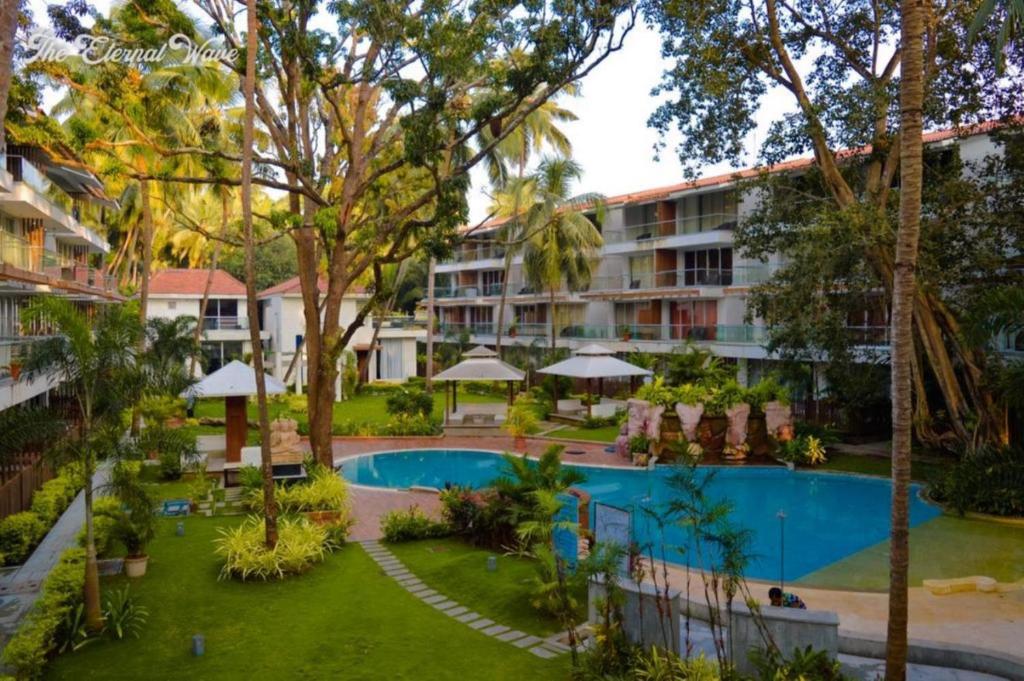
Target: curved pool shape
829,516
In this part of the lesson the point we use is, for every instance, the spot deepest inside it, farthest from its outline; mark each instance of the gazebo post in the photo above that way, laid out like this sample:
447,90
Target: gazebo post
236,426
446,404
590,400
510,398
455,396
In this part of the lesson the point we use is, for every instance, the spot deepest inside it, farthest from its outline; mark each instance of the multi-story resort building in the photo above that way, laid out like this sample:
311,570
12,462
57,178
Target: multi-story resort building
668,273
49,208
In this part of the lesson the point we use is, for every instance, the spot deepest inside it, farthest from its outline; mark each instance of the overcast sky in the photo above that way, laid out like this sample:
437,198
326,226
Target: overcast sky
611,140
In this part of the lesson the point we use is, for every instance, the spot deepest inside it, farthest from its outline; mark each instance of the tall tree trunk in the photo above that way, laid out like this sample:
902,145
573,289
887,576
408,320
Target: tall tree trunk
8,31
553,340
429,369
209,282
902,352
147,266
269,505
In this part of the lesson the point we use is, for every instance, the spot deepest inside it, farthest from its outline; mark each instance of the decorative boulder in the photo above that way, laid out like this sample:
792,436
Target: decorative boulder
689,419
737,415
638,415
778,416
654,414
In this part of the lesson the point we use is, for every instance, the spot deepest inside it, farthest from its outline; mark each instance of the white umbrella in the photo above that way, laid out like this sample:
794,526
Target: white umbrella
594,361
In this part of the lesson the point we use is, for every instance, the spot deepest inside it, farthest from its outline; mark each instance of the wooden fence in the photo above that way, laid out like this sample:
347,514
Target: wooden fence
21,477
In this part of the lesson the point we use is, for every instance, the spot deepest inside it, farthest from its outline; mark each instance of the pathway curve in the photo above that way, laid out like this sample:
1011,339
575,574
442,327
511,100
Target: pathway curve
20,587
392,567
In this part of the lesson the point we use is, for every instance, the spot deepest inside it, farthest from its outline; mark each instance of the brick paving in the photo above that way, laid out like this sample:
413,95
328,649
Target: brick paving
543,648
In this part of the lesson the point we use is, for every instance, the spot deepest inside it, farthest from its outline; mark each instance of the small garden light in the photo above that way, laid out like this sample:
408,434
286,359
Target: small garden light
180,531
198,645
492,563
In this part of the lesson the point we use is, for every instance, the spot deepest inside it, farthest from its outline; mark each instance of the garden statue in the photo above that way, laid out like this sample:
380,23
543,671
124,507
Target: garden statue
737,415
285,441
689,419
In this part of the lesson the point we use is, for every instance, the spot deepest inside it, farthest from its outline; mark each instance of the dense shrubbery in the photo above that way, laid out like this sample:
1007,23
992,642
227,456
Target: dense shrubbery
300,544
324,490
803,449
986,480
716,397
21,532
410,402
484,388
400,425
38,636
410,525
156,409
175,447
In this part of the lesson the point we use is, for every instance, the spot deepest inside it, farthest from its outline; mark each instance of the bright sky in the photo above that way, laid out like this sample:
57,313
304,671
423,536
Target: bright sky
611,140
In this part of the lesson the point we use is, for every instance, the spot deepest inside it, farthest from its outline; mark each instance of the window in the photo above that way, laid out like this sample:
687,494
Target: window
172,305
708,267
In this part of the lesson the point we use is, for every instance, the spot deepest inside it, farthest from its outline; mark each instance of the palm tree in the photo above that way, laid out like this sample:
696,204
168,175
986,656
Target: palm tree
1012,12
248,140
8,30
912,23
539,130
97,364
561,241
170,343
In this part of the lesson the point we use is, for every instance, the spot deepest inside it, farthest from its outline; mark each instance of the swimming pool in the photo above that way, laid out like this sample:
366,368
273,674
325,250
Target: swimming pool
828,516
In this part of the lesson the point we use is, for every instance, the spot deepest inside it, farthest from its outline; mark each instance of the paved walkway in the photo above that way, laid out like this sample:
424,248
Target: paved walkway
20,587
392,567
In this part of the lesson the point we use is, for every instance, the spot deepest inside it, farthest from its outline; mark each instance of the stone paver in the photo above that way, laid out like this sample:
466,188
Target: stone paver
527,641
420,590
481,623
412,582
446,604
455,612
496,629
543,653
510,636
436,598
468,617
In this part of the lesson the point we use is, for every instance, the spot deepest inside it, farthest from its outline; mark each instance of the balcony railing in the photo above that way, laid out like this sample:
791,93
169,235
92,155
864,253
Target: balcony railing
665,228
225,323
403,322
15,349
19,253
734,276
474,291
474,253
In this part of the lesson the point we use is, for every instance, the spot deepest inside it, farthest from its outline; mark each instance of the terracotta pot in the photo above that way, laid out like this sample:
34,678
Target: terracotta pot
520,444
15,369
135,566
323,517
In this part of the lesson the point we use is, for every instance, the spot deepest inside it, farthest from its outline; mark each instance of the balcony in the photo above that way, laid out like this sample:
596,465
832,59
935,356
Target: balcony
659,230
15,349
19,253
488,290
742,275
473,253
225,323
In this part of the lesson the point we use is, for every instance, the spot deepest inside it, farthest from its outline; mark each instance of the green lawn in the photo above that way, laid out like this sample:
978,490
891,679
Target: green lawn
877,465
459,571
603,434
942,548
343,620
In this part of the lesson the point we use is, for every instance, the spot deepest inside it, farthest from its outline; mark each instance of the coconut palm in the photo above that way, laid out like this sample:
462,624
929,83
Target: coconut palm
170,343
97,364
560,240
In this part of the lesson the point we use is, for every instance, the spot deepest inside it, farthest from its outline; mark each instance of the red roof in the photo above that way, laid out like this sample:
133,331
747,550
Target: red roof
664,192
183,282
292,286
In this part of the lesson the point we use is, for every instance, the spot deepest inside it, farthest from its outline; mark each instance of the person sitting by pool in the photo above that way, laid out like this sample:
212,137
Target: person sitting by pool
781,599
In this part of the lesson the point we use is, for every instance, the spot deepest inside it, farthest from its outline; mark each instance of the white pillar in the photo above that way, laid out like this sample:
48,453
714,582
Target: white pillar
741,373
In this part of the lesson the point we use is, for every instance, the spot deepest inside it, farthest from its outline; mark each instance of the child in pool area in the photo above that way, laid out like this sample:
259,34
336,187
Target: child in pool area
781,599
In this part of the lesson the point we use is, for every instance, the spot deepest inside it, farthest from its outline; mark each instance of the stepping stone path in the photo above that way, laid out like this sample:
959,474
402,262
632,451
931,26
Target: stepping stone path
393,568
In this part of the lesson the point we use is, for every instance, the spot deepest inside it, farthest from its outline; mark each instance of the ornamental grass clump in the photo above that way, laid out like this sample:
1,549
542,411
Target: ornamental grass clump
300,545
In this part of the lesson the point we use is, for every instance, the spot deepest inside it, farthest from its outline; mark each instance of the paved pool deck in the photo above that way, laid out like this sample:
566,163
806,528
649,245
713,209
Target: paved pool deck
987,621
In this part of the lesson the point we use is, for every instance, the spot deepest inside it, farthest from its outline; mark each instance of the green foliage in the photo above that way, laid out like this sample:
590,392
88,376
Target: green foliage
985,480
156,409
692,394
324,491
28,428
175,447
29,648
135,519
805,663
50,500
410,402
657,665
300,545
406,425
724,397
657,393
485,388
19,534
122,616
595,422
768,389
276,262
692,364
639,444
522,418
411,524
803,449
73,633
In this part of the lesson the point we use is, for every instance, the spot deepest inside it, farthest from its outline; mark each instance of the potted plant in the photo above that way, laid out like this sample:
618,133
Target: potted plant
521,421
513,327
15,369
625,332
135,529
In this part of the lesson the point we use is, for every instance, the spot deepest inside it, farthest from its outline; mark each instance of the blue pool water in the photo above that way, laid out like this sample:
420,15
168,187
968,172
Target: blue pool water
828,516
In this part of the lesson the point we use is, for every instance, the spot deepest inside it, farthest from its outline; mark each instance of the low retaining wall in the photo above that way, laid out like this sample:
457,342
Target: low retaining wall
967,658
788,628
642,622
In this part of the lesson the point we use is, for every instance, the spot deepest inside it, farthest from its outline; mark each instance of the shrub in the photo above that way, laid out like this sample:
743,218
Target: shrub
122,616
158,408
300,545
481,517
28,649
410,525
657,393
522,418
54,496
803,449
594,422
492,388
404,425
325,491
19,534
986,480
768,389
410,402
175,448
691,394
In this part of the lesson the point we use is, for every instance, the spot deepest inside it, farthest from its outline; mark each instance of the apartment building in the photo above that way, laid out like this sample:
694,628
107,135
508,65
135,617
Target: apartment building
668,272
179,292
50,213
393,357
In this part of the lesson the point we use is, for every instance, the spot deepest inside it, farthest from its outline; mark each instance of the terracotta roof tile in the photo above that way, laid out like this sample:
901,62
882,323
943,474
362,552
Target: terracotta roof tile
193,282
